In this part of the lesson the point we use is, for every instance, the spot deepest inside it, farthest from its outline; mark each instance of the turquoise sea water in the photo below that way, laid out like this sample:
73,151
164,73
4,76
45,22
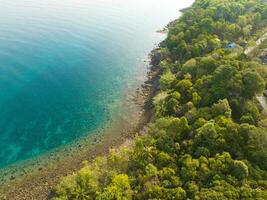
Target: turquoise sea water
64,62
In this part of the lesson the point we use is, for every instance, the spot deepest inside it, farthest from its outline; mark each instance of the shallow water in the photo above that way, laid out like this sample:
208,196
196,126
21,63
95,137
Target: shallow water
64,63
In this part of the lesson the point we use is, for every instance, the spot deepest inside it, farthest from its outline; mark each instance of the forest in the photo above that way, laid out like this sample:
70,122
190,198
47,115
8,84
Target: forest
208,136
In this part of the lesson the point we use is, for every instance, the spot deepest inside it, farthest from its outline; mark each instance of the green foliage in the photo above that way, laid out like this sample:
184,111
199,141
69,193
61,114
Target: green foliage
80,186
253,84
240,169
222,108
166,80
119,189
208,137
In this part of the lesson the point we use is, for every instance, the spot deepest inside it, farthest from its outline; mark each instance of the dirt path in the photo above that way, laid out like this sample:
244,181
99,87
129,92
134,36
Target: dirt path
258,43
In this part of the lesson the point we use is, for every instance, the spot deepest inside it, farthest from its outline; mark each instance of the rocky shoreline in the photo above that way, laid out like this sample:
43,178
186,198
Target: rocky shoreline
38,184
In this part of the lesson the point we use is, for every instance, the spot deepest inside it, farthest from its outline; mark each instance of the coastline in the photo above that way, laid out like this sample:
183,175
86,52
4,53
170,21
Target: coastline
35,178
226,158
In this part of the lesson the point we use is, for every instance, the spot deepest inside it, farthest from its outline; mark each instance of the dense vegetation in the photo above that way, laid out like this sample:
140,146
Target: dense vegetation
208,139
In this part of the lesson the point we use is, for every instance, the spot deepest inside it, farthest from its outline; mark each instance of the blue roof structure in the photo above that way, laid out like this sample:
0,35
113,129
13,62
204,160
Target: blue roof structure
231,45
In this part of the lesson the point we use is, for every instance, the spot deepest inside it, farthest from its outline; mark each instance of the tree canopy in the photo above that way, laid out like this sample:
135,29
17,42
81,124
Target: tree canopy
208,139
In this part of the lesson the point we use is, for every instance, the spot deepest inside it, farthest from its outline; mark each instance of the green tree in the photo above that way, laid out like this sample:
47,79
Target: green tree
222,108
166,80
119,189
253,84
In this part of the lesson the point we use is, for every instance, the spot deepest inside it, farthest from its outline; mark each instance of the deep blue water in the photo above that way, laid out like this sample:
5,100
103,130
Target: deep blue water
64,62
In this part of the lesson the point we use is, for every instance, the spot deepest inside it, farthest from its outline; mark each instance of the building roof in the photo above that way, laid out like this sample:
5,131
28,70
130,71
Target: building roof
231,45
